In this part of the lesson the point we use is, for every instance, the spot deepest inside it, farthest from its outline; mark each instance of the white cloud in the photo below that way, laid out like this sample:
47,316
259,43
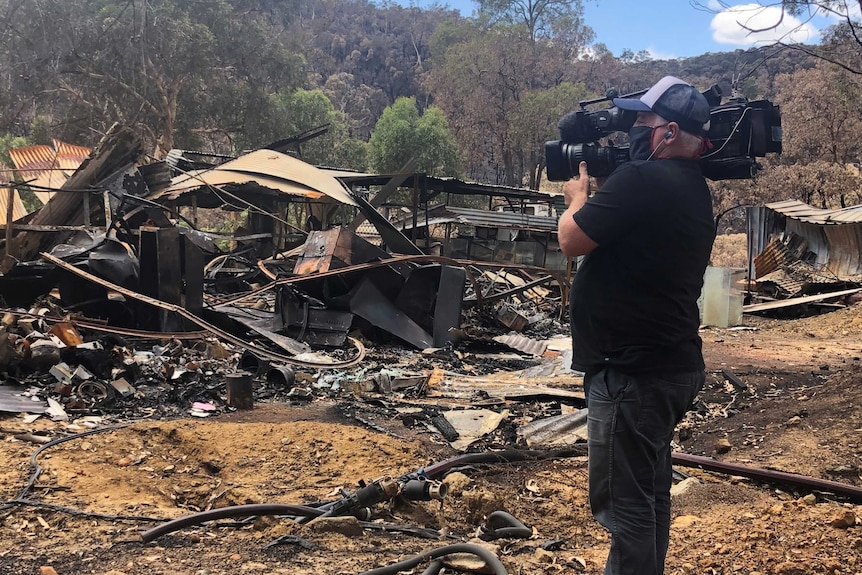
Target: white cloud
735,26
715,5
659,55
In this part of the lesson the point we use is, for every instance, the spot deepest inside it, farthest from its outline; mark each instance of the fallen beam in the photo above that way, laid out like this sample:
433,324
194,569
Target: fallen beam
796,300
261,352
852,492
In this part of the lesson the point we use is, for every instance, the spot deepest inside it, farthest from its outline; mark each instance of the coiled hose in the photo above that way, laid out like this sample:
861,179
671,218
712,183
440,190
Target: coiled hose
500,524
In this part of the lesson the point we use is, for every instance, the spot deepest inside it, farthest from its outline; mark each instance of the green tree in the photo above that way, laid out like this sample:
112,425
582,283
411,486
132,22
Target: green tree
560,19
302,110
402,133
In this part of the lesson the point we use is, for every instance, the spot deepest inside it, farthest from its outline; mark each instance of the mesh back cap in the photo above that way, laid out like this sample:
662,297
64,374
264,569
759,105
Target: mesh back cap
675,101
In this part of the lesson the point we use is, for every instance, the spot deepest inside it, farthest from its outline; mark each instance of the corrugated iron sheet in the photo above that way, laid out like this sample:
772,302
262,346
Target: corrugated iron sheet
18,209
522,343
507,220
448,185
48,166
833,251
845,251
802,211
266,168
481,218
70,156
790,283
33,160
771,259
12,400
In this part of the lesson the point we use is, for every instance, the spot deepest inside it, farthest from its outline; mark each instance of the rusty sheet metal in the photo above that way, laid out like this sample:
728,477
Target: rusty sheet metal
269,169
834,250
845,251
802,211
789,284
771,259
46,166
18,209
33,160
796,275
70,156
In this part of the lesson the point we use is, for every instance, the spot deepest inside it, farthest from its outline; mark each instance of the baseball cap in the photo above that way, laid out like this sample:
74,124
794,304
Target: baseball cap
675,101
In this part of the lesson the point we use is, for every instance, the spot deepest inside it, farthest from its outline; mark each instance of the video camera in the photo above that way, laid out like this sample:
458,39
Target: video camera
739,131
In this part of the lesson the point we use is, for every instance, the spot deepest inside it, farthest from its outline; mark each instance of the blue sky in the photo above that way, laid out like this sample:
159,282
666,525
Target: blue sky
681,28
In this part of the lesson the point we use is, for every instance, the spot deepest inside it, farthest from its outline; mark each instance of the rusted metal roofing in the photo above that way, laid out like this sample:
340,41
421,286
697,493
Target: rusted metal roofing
832,252
48,166
773,256
18,209
70,156
265,168
803,212
794,277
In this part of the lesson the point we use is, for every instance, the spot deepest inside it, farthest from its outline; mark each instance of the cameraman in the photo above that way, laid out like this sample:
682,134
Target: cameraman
647,235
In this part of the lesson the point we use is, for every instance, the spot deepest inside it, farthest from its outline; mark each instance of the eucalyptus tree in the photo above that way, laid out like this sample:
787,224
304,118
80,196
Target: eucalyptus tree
403,133
179,70
545,19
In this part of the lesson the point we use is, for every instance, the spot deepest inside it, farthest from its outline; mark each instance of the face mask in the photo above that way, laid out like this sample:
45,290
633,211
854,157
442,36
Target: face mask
640,142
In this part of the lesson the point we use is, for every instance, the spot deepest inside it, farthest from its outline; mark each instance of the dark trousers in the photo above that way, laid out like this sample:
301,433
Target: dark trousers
630,422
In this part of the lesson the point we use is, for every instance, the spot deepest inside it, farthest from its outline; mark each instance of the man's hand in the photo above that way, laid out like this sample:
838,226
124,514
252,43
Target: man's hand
573,241
577,190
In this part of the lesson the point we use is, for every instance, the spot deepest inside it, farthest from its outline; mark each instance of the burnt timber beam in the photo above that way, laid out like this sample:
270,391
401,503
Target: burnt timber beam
852,492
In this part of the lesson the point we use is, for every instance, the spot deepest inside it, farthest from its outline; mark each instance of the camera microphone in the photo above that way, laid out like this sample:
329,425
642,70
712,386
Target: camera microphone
569,126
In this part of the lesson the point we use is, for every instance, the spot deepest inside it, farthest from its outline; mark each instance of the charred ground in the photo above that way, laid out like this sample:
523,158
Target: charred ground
797,410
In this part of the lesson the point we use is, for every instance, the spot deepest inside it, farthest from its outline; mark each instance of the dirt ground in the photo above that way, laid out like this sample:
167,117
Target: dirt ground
799,410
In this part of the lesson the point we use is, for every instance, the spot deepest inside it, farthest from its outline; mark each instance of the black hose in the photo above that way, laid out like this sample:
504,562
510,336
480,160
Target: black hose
37,469
489,558
511,527
224,513
439,469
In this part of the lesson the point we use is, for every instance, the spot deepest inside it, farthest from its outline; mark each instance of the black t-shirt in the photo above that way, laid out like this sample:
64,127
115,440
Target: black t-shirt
634,298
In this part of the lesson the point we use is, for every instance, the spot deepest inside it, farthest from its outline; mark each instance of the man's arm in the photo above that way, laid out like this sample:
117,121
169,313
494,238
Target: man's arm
573,240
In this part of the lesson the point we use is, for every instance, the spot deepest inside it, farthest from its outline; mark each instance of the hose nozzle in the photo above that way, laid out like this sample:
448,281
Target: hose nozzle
424,490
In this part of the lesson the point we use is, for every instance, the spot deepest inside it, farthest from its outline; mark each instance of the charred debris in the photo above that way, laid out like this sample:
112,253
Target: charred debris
120,299
117,305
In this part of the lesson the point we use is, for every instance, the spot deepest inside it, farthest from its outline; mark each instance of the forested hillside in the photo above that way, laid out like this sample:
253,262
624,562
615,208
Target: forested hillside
474,97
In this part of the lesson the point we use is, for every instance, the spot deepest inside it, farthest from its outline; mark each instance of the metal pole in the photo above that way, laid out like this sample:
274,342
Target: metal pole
87,211
10,201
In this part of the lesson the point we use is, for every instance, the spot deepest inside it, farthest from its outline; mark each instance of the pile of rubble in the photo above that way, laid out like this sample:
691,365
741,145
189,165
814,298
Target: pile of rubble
118,308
